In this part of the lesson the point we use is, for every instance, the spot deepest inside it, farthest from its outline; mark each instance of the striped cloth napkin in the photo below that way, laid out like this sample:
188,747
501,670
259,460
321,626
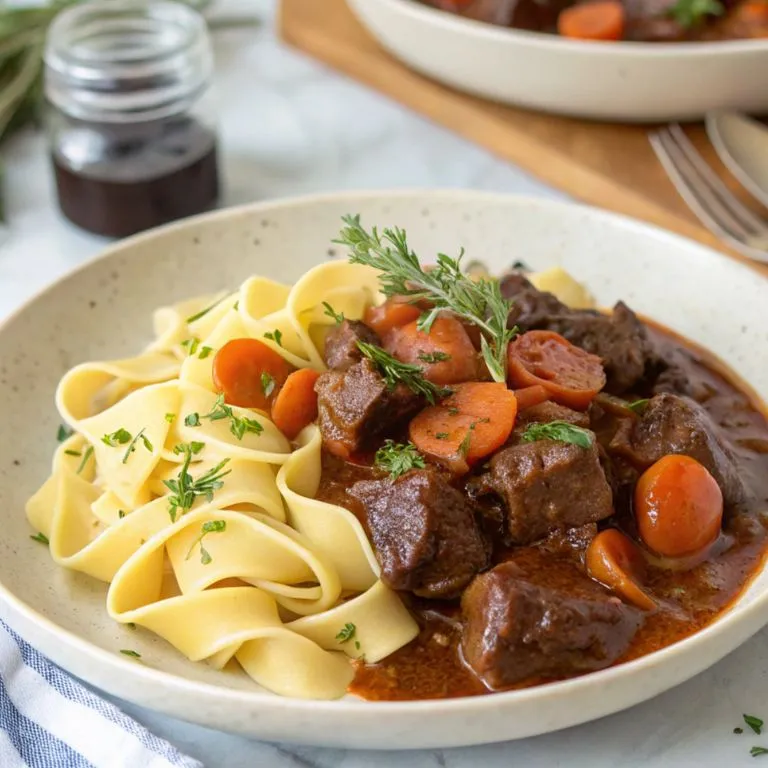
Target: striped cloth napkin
49,720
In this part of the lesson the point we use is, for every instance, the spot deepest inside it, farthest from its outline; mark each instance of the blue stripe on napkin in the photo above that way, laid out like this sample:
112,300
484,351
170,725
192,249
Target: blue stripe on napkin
48,719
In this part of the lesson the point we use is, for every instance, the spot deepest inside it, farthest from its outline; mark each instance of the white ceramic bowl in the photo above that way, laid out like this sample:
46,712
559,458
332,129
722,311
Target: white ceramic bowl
633,82
104,310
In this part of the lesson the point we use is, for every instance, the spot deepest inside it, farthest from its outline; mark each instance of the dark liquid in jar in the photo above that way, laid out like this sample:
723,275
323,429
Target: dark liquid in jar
136,177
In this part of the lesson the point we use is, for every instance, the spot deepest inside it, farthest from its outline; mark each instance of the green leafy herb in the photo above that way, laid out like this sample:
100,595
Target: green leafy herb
276,336
453,411
394,371
337,316
212,526
170,417
445,287
464,447
128,652
738,730
192,420
41,537
118,437
239,425
63,433
346,633
70,452
442,435
267,384
185,489
398,458
434,357
236,305
690,13
132,446
121,513
87,455
205,352
638,406
191,345
756,751
203,312
755,723
558,430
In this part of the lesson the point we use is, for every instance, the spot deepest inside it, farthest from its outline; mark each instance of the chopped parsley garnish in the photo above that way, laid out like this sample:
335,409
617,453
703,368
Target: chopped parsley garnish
132,446
346,633
398,458
170,417
434,357
87,455
191,345
558,430
267,383
203,312
185,489
445,286
239,425
119,437
394,372
192,420
757,751
441,435
129,652
464,447
236,305
738,730
63,433
276,336
690,13
755,723
205,352
453,411
70,452
330,312
212,526
41,537
121,513
638,406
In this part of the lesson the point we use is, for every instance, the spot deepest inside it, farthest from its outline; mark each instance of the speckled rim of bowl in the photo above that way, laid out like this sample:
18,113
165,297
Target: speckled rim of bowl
471,705
626,48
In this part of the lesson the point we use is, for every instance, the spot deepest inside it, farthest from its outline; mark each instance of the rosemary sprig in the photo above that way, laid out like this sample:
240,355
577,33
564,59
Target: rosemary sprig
444,287
394,371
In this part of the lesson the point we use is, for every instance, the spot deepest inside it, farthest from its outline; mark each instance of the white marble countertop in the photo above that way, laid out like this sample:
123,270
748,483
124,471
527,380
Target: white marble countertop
291,126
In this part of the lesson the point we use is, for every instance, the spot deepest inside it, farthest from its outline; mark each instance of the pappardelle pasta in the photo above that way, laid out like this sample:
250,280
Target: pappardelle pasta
200,515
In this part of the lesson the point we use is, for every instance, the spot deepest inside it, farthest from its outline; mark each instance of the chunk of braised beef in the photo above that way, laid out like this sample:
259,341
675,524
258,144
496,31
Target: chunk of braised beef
341,350
547,485
620,340
570,541
424,533
674,424
515,628
550,411
531,307
356,407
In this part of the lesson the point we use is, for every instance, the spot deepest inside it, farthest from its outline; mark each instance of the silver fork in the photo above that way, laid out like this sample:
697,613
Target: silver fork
718,209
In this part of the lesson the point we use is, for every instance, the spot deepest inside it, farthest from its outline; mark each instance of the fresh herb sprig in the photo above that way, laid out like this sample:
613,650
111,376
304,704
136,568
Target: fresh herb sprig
638,406
691,13
337,317
185,489
211,526
559,430
445,287
395,372
755,723
239,426
347,633
398,458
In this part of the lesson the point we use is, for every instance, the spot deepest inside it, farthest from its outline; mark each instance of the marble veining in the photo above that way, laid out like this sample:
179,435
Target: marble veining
291,126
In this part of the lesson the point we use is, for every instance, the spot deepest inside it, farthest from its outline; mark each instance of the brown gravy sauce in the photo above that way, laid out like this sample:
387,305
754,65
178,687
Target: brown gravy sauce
430,666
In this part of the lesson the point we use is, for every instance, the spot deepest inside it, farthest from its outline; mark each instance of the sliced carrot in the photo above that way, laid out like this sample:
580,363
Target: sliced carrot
445,354
469,425
614,560
530,396
678,506
571,375
249,373
296,403
391,314
602,20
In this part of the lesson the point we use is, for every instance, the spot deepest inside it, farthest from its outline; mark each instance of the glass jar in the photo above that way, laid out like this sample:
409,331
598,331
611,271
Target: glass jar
129,114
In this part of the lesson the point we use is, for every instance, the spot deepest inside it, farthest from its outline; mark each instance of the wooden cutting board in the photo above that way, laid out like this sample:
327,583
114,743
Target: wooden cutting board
605,164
